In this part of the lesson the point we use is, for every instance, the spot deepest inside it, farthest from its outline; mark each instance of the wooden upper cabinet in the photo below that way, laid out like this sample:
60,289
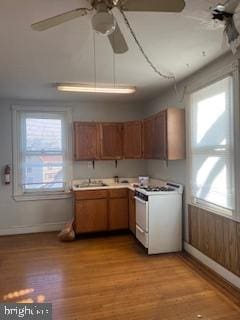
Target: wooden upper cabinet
111,141
132,140
148,133
86,141
164,135
176,137
160,136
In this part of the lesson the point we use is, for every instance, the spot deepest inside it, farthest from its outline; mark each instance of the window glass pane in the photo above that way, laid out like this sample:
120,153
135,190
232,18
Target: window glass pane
43,134
211,115
212,179
43,172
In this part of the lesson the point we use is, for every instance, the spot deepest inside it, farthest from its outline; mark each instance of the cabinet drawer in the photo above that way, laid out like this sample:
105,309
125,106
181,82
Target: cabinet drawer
90,194
142,236
118,193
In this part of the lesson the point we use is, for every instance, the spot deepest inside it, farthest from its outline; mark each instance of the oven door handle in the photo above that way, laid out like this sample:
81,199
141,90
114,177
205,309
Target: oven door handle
140,200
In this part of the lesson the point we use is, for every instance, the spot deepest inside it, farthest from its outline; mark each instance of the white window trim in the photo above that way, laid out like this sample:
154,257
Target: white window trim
18,195
233,71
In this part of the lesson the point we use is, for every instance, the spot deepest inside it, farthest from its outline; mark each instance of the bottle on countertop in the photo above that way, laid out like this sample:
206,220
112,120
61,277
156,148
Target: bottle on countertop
116,179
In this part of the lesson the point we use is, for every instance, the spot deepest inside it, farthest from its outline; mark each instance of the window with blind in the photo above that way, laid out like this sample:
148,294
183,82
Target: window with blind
41,152
211,156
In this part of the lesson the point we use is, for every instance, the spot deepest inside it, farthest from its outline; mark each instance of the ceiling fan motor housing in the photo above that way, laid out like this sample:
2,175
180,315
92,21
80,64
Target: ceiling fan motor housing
104,23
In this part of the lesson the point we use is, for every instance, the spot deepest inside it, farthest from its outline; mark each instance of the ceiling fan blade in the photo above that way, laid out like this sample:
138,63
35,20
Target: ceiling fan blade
59,19
117,41
154,5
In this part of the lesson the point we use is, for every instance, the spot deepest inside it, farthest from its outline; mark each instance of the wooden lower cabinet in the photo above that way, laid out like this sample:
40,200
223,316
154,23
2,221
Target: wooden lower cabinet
91,215
101,210
132,211
118,214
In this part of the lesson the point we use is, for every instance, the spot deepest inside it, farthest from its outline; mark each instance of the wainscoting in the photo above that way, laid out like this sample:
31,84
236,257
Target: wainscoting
215,236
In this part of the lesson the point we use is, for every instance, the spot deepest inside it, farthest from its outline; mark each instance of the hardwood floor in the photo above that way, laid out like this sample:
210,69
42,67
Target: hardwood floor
107,278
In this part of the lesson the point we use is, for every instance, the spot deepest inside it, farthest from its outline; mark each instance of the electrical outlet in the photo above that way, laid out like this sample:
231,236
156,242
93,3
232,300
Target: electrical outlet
89,164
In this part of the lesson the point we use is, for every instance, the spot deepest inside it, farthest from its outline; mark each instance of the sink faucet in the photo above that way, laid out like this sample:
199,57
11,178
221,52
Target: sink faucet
89,180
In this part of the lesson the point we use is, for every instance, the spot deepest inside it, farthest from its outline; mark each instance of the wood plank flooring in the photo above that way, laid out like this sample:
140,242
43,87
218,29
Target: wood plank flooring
107,278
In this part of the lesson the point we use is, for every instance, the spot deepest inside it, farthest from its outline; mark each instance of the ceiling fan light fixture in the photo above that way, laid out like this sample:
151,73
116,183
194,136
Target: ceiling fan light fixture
104,23
66,87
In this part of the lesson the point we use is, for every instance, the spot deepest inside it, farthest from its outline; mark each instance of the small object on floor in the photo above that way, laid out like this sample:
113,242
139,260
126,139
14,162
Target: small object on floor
199,316
67,233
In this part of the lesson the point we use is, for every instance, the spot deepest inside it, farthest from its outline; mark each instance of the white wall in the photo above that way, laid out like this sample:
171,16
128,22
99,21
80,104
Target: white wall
177,170
32,216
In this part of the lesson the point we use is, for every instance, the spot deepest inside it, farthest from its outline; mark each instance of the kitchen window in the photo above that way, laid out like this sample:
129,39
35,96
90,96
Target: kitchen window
41,165
211,147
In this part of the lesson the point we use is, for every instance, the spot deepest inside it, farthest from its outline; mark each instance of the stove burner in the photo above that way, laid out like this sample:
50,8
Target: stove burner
157,189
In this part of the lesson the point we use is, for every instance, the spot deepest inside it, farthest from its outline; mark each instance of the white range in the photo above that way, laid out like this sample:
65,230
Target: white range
159,217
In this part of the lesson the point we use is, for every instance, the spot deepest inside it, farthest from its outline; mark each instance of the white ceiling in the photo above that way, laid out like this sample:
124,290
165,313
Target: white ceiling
32,61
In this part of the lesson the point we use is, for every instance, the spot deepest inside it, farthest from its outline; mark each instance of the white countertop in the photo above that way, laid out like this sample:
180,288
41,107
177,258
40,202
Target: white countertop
110,184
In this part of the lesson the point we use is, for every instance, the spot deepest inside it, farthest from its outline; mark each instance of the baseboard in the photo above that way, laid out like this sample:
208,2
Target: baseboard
45,227
211,264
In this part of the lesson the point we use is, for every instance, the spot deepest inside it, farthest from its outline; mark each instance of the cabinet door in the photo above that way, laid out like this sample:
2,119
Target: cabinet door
132,140
176,134
160,136
118,214
111,141
132,212
86,141
90,215
148,126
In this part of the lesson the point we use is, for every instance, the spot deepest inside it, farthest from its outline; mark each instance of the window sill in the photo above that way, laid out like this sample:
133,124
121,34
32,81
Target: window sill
47,196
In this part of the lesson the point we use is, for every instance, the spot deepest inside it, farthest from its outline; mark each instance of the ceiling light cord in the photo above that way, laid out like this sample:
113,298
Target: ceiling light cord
164,76
94,60
155,69
114,61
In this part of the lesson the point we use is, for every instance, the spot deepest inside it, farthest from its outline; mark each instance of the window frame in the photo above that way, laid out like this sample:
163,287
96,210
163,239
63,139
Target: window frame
230,70
18,191
211,152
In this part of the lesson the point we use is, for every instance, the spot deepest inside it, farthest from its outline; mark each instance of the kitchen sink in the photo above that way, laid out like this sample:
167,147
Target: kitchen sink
91,185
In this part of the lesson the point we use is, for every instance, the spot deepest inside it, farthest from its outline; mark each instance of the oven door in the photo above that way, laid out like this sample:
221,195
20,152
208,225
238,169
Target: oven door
142,214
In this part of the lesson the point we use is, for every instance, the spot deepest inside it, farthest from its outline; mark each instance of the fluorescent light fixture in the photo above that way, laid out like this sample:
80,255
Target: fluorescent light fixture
88,88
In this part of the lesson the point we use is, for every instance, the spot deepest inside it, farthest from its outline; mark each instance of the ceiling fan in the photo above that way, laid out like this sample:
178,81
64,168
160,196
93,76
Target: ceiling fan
103,21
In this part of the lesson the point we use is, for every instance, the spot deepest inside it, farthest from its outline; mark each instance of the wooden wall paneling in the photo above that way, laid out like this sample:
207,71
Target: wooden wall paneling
232,259
215,236
211,235
203,241
220,252
238,247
